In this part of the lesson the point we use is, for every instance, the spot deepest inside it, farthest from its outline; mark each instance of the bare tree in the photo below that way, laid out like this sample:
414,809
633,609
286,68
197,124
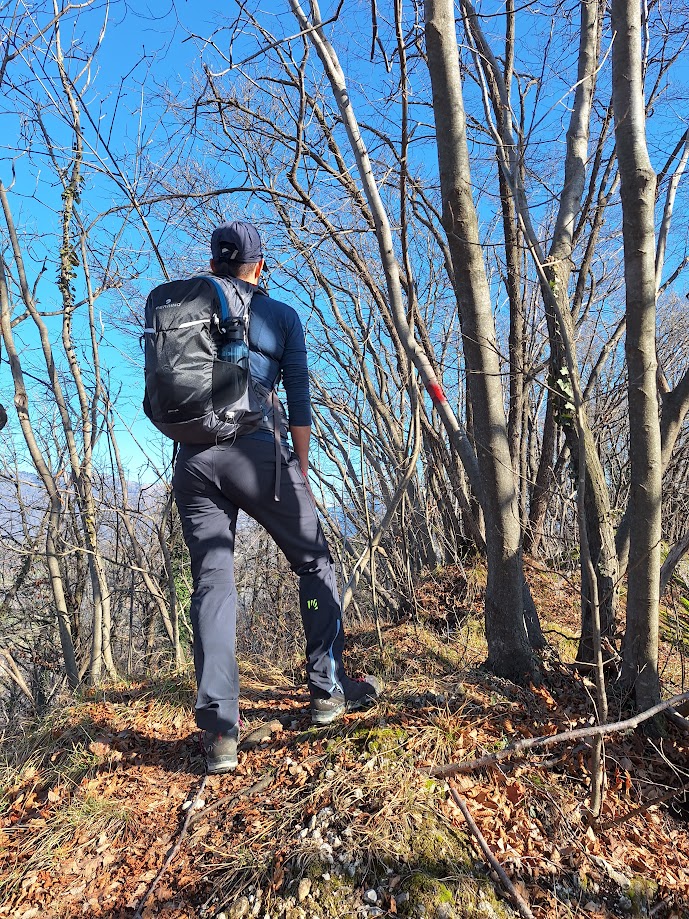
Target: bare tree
508,646
638,183
60,387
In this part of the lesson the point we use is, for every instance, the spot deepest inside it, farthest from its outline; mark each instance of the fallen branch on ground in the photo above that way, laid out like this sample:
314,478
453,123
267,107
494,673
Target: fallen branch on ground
254,789
661,799
530,743
512,891
173,851
679,720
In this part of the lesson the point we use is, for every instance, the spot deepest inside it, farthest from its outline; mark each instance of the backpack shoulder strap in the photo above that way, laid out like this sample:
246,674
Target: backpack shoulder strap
219,285
225,316
222,296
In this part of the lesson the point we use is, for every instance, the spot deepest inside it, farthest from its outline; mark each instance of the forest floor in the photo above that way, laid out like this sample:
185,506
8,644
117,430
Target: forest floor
106,812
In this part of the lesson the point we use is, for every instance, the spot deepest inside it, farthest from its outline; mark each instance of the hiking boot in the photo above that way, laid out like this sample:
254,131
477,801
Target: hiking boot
220,751
362,693
327,709
357,694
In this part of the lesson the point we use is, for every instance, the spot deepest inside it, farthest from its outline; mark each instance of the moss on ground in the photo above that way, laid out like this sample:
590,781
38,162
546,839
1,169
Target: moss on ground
386,740
441,879
463,897
437,848
427,891
642,892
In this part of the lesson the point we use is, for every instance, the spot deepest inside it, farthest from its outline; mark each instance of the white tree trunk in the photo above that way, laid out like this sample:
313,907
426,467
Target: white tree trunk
508,646
637,189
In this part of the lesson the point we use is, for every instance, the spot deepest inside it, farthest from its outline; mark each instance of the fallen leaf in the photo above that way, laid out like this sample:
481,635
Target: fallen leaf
514,792
98,748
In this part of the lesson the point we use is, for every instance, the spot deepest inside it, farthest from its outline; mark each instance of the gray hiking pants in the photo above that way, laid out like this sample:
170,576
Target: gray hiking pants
211,483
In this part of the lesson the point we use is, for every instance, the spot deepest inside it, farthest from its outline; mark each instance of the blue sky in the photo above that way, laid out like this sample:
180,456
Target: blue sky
152,51
144,51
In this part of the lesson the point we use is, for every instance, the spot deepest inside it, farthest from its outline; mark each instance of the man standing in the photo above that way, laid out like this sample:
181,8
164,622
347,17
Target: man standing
212,482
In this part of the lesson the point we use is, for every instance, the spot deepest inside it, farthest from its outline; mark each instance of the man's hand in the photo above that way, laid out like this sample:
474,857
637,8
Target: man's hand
301,436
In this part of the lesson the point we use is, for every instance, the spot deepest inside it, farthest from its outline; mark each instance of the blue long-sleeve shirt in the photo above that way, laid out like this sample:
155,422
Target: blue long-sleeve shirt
278,353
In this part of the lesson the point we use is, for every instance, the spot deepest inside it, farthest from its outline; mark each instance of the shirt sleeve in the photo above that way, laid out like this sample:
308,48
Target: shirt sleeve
295,373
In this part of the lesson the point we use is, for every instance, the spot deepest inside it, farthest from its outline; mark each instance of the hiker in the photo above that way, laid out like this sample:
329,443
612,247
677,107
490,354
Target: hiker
256,470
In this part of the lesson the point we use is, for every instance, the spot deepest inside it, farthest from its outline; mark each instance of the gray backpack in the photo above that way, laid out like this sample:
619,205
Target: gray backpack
193,396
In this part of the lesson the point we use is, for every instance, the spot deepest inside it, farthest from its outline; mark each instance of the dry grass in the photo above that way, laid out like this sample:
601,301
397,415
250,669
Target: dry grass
109,776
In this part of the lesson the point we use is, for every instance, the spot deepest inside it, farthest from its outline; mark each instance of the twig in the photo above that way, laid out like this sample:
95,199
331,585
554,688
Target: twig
254,789
518,901
173,851
661,799
12,671
529,743
562,635
678,720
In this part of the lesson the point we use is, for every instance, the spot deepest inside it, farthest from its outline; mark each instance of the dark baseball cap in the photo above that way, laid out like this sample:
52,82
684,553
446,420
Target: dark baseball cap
236,242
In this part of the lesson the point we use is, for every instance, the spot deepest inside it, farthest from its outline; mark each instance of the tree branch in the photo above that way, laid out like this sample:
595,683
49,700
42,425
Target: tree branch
519,902
532,743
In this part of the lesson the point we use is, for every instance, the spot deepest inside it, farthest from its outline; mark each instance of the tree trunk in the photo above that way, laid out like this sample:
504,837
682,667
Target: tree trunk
597,497
558,270
61,611
544,481
601,538
96,658
21,402
637,191
675,405
508,645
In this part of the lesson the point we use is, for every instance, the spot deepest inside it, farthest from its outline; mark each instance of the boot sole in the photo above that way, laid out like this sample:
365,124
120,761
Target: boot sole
225,765
324,718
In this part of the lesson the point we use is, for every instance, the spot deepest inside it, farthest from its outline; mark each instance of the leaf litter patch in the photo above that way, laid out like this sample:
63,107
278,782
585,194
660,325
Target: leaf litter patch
344,821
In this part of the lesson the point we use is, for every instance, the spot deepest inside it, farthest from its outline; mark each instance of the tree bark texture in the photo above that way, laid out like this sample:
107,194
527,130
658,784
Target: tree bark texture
675,405
508,646
637,190
558,271
597,497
